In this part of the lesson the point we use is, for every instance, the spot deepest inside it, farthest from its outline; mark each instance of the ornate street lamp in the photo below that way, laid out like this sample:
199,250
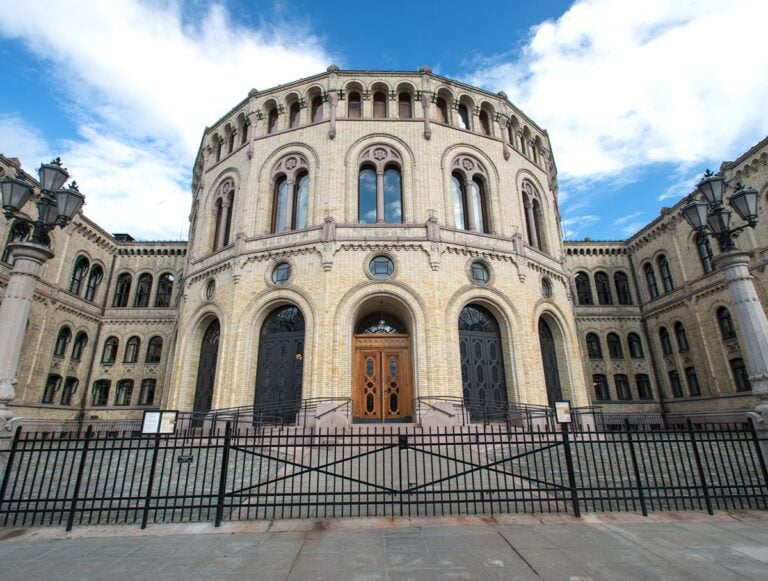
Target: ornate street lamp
56,206
712,218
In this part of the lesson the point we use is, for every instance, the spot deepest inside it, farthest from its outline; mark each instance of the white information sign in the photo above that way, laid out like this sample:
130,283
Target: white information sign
159,422
563,412
151,422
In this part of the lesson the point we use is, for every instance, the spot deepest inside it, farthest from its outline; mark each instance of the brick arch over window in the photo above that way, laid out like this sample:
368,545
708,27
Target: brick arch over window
224,201
469,184
380,189
290,185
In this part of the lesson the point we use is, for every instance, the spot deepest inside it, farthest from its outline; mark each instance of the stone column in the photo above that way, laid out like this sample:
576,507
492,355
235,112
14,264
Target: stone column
471,194
379,195
425,102
333,101
223,219
289,205
14,313
253,119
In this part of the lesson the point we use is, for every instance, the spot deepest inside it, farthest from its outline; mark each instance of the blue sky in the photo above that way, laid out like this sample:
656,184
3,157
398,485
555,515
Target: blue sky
638,98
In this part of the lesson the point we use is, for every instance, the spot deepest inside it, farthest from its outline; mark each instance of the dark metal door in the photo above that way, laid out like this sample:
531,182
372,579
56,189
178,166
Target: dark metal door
280,366
549,360
482,364
206,368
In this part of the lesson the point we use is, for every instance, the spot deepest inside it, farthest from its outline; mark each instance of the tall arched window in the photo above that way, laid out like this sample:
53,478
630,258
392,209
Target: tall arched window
78,275
666,344
666,274
272,120
164,290
131,354
380,195
463,116
81,340
154,350
94,280
109,353
705,252
441,106
217,142
51,387
724,321
122,290
230,140
143,290
682,338
294,114
354,106
615,351
62,341
583,289
405,106
623,294
225,199
19,232
317,109
379,105
242,128
485,122
650,279
291,195
635,346
603,287
533,215
469,180
594,350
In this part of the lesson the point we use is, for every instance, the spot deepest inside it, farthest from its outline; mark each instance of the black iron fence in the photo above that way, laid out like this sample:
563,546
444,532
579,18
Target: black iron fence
230,473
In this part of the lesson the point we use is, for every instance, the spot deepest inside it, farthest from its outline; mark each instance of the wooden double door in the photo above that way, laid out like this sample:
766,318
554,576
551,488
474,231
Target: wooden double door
381,378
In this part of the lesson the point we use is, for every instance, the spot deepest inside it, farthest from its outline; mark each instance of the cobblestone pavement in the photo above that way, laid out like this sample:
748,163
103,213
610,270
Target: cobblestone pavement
598,546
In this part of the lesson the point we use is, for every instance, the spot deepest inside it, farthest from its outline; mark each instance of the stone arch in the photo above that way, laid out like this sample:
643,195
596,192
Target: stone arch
491,176
567,355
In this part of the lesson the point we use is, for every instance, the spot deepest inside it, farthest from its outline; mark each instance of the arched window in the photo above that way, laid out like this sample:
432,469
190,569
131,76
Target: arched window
441,105
291,195
19,232
405,106
317,109
272,120
70,387
147,393
94,280
81,340
674,383
623,294
650,279
705,252
692,380
485,122
666,344
164,290
594,350
740,375
380,105
682,338
52,385
724,321
666,274
294,114
600,385
225,199
217,142
533,215
143,290
603,287
615,351
242,128
380,195
122,290
131,354
468,182
635,346
78,275
100,392
123,391
583,289
62,341
623,390
463,116
354,107
643,383
109,353
154,350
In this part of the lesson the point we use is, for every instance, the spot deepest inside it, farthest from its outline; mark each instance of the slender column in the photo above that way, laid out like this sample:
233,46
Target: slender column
425,102
470,195
531,223
380,195
253,119
14,313
333,101
504,134
224,218
289,204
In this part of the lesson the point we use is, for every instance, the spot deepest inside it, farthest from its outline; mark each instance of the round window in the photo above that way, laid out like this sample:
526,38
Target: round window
381,267
480,273
282,273
210,290
546,287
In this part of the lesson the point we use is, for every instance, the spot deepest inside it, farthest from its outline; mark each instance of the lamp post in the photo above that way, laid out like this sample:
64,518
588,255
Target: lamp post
711,218
56,206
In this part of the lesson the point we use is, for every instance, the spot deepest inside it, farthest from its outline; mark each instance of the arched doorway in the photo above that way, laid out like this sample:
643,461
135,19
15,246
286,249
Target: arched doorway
381,372
549,361
206,368
482,364
280,365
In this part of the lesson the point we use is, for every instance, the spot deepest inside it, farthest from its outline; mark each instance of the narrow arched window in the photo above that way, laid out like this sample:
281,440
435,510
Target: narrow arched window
623,294
459,207
62,341
231,141
366,196
476,195
379,105
468,183
724,321
164,290
740,375
405,106
100,392
143,290
615,351
123,392
154,350
78,275
393,196
643,383
147,393
52,385
533,215
122,290
666,274
666,344
281,205
242,128
485,122
109,353
81,340
70,387
600,385
294,114
131,354
463,116
583,289
272,120
603,287
650,280
94,280
217,141
705,252
594,350
291,195
682,338
442,110
317,109
19,232
354,107
635,346
225,199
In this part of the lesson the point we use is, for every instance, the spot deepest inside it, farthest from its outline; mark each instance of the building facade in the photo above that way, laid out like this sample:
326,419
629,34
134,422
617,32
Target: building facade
387,237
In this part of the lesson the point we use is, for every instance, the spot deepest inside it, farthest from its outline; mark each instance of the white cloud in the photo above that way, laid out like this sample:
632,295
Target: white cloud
622,87
144,79
624,219
19,139
632,228
574,225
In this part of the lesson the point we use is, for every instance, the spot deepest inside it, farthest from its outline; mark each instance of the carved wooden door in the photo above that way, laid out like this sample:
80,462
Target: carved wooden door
381,388
549,361
206,368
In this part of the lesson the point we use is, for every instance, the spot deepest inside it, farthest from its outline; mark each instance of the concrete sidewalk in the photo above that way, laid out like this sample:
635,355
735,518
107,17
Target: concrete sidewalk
598,546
